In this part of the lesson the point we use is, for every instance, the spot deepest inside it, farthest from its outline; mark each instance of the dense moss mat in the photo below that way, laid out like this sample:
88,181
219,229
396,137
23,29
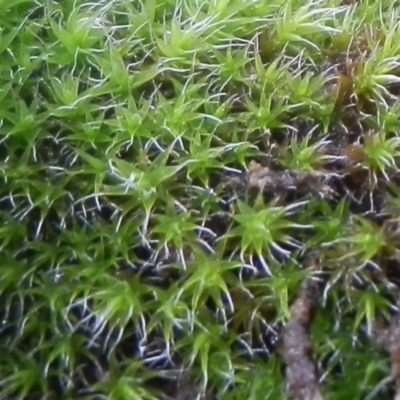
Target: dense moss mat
174,174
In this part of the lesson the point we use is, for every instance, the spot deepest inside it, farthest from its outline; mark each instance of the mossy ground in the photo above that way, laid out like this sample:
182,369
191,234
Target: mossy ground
172,172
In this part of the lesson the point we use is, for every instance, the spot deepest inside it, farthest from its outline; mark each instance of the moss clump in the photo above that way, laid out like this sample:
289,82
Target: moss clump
176,176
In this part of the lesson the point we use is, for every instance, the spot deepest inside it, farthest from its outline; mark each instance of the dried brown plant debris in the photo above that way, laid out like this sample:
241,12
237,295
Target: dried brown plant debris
267,181
301,369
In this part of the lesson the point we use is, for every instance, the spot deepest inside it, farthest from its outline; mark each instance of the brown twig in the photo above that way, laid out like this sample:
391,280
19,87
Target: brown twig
389,338
265,180
301,369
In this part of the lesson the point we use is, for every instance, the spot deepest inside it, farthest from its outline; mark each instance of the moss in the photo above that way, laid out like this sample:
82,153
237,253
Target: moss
174,175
